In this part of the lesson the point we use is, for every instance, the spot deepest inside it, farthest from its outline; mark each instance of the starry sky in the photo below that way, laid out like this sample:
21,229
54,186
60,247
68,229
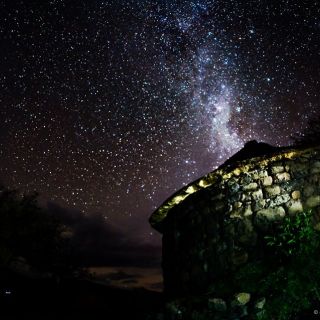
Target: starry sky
108,107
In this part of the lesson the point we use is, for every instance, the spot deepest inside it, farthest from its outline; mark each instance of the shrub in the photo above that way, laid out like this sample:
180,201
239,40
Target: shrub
294,282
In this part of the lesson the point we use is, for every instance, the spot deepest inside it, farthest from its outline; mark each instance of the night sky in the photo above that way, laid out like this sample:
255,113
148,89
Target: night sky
108,107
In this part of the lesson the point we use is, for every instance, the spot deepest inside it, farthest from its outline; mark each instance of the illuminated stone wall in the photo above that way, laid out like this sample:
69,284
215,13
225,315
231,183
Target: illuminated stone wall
216,224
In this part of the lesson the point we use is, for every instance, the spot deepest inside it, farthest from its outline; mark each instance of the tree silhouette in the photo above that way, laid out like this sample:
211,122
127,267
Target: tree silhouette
28,231
310,136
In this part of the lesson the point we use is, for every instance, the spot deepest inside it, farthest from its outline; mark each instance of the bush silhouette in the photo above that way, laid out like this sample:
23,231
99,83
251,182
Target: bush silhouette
310,136
28,231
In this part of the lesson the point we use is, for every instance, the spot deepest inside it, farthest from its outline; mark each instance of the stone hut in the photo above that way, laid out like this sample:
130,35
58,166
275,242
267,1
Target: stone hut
214,225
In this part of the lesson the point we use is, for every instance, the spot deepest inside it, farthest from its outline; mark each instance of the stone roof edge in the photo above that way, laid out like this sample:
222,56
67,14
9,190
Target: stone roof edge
223,172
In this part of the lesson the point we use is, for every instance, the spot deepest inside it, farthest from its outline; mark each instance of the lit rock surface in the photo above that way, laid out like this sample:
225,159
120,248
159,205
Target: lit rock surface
214,226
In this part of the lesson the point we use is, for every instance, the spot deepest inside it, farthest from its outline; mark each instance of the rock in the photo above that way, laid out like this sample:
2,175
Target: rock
308,190
241,299
233,187
314,179
284,198
236,213
294,207
295,195
247,211
259,204
262,174
271,214
217,304
221,226
267,181
277,169
317,227
238,205
257,195
273,191
285,176
313,201
245,231
315,170
251,186
299,169
260,303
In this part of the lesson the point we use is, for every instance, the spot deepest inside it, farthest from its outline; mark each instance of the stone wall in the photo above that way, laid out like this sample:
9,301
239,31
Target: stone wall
216,224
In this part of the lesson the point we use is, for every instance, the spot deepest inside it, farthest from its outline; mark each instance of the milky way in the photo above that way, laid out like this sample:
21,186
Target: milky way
111,106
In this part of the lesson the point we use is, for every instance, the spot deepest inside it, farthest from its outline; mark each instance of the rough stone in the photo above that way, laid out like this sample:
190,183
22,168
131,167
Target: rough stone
217,304
251,186
219,223
314,179
308,191
299,169
279,200
277,169
259,204
233,186
294,207
260,303
256,195
241,299
267,181
315,170
246,233
238,205
295,195
313,201
285,176
247,211
271,214
273,191
236,214
316,164
255,174
246,179
317,226
243,197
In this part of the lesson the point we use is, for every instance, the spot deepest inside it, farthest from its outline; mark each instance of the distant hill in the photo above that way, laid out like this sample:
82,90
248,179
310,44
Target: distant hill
252,149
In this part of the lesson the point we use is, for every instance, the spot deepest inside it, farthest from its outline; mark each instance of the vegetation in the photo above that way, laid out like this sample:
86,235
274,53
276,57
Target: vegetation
290,281
310,136
28,232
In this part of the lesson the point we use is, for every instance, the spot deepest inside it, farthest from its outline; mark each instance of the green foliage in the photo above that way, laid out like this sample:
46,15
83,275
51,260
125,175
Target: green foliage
295,236
292,282
289,278
28,231
310,136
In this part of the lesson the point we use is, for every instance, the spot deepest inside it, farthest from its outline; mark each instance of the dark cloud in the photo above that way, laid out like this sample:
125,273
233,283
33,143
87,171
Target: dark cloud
95,242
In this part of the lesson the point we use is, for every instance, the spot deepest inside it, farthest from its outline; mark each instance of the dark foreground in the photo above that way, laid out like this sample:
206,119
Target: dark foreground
47,299
25,298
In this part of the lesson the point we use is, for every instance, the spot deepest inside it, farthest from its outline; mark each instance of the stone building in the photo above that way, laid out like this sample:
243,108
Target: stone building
215,224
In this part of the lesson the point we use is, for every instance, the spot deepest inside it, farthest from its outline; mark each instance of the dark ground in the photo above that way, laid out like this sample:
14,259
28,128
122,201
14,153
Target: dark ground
25,298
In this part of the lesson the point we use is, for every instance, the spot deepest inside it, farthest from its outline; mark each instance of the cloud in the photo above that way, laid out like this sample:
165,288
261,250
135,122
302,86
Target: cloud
96,243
